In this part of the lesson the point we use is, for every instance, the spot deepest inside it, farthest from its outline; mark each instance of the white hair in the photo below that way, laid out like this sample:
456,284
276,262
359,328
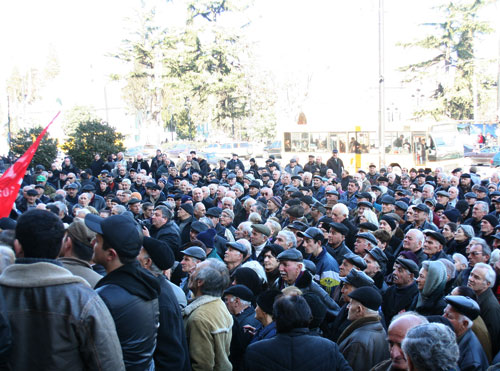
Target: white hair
342,208
490,275
257,267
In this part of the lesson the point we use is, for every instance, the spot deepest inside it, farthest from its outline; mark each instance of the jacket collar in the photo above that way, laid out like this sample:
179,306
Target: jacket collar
357,324
39,274
198,302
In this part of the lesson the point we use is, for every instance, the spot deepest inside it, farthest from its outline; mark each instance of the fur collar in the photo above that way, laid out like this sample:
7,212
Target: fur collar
38,275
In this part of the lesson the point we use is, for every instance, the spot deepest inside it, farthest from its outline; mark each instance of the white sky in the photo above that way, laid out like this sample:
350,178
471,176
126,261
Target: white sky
333,43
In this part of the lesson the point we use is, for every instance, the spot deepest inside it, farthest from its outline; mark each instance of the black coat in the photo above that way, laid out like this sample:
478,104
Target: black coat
490,313
296,350
398,299
169,233
171,351
472,356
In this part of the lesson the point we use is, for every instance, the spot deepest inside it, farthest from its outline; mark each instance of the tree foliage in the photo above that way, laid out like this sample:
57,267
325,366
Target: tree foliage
91,137
77,115
46,152
195,74
452,65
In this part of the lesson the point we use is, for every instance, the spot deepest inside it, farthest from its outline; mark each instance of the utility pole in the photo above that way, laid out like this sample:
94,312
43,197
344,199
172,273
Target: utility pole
381,84
9,135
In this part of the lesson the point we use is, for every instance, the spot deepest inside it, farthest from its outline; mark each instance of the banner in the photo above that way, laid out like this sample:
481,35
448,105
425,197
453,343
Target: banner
11,180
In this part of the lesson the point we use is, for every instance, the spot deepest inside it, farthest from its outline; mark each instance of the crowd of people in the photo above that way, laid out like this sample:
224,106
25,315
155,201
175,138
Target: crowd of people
172,264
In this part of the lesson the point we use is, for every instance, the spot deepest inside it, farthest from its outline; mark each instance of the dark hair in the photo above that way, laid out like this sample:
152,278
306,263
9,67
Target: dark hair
40,233
123,259
7,237
453,226
467,291
290,312
82,251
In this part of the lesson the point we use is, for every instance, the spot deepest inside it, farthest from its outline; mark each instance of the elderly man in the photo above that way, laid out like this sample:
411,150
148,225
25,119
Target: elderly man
431,346
364,242
461,311
192,255
433,246
207,321
479,210
336,241
400,295
481,279
479,252
396,332
286,239
235,254
414,242
363,343
259,239
164,228
293,273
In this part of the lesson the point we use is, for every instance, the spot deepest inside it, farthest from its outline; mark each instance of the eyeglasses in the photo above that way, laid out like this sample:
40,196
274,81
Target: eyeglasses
71,177
475,253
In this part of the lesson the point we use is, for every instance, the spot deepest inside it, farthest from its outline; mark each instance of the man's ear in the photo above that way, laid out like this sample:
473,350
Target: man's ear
18,249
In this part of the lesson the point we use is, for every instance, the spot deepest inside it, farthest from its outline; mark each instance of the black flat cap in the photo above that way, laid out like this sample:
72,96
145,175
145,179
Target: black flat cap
198,226
214,211
195,252
32,192
363,195
365,204
442,193
88,188
310,266
339,227
299,226
470,195
464,305
379,255
357,279
239,247
274,248
312,233
308,200
159,252
357,260
409,265
401,205
240,291
386,199
368,236
369,226
423,207
291,254
254,184
436,235
367,296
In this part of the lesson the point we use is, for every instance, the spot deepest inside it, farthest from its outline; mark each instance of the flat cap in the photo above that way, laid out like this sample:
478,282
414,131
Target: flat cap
238,246
401,205
363,195
368,226
436,236
291,254
32,192
198,226
262,228
207,237
254,184
464,305
339,227
195,252
71,186
470,195
368,236
299,226
214,211
442,193
357,279
409,265
357,260
240,291
159,252
423,207
365,204
273,248
312,233
367,296
296,211
308,200
386,199
379,255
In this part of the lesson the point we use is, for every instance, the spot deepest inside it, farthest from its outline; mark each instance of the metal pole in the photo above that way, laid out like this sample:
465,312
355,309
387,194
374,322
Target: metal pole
9,136
381,91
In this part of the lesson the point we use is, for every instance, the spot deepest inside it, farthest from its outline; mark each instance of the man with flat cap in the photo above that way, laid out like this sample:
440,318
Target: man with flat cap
355,279
76,252
376,263
433,246
130,292
365,241
461,311
184,220
421,222
259,238
293,273
235,255
400,295
171,349
351,261
191,256
336,246
363,343
327,269
271,263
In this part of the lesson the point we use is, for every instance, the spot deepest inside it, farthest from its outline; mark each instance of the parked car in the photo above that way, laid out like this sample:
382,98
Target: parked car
495,161
484,156
274,149
243,149
179,148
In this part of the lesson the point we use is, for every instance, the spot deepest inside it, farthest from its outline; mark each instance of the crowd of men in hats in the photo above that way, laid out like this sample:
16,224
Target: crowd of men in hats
172,264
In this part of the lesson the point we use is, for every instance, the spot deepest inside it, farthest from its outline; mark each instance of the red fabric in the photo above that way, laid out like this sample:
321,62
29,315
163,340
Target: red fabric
11,180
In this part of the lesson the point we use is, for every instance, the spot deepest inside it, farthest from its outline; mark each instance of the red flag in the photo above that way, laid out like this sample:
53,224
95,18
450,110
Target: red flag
11,180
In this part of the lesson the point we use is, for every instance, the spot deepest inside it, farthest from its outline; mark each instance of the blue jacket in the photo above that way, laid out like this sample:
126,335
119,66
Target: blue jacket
472,356
263,333
296,350
327,271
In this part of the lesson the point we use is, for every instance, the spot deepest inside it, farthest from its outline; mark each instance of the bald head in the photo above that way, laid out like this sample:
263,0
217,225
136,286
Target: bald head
397,332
